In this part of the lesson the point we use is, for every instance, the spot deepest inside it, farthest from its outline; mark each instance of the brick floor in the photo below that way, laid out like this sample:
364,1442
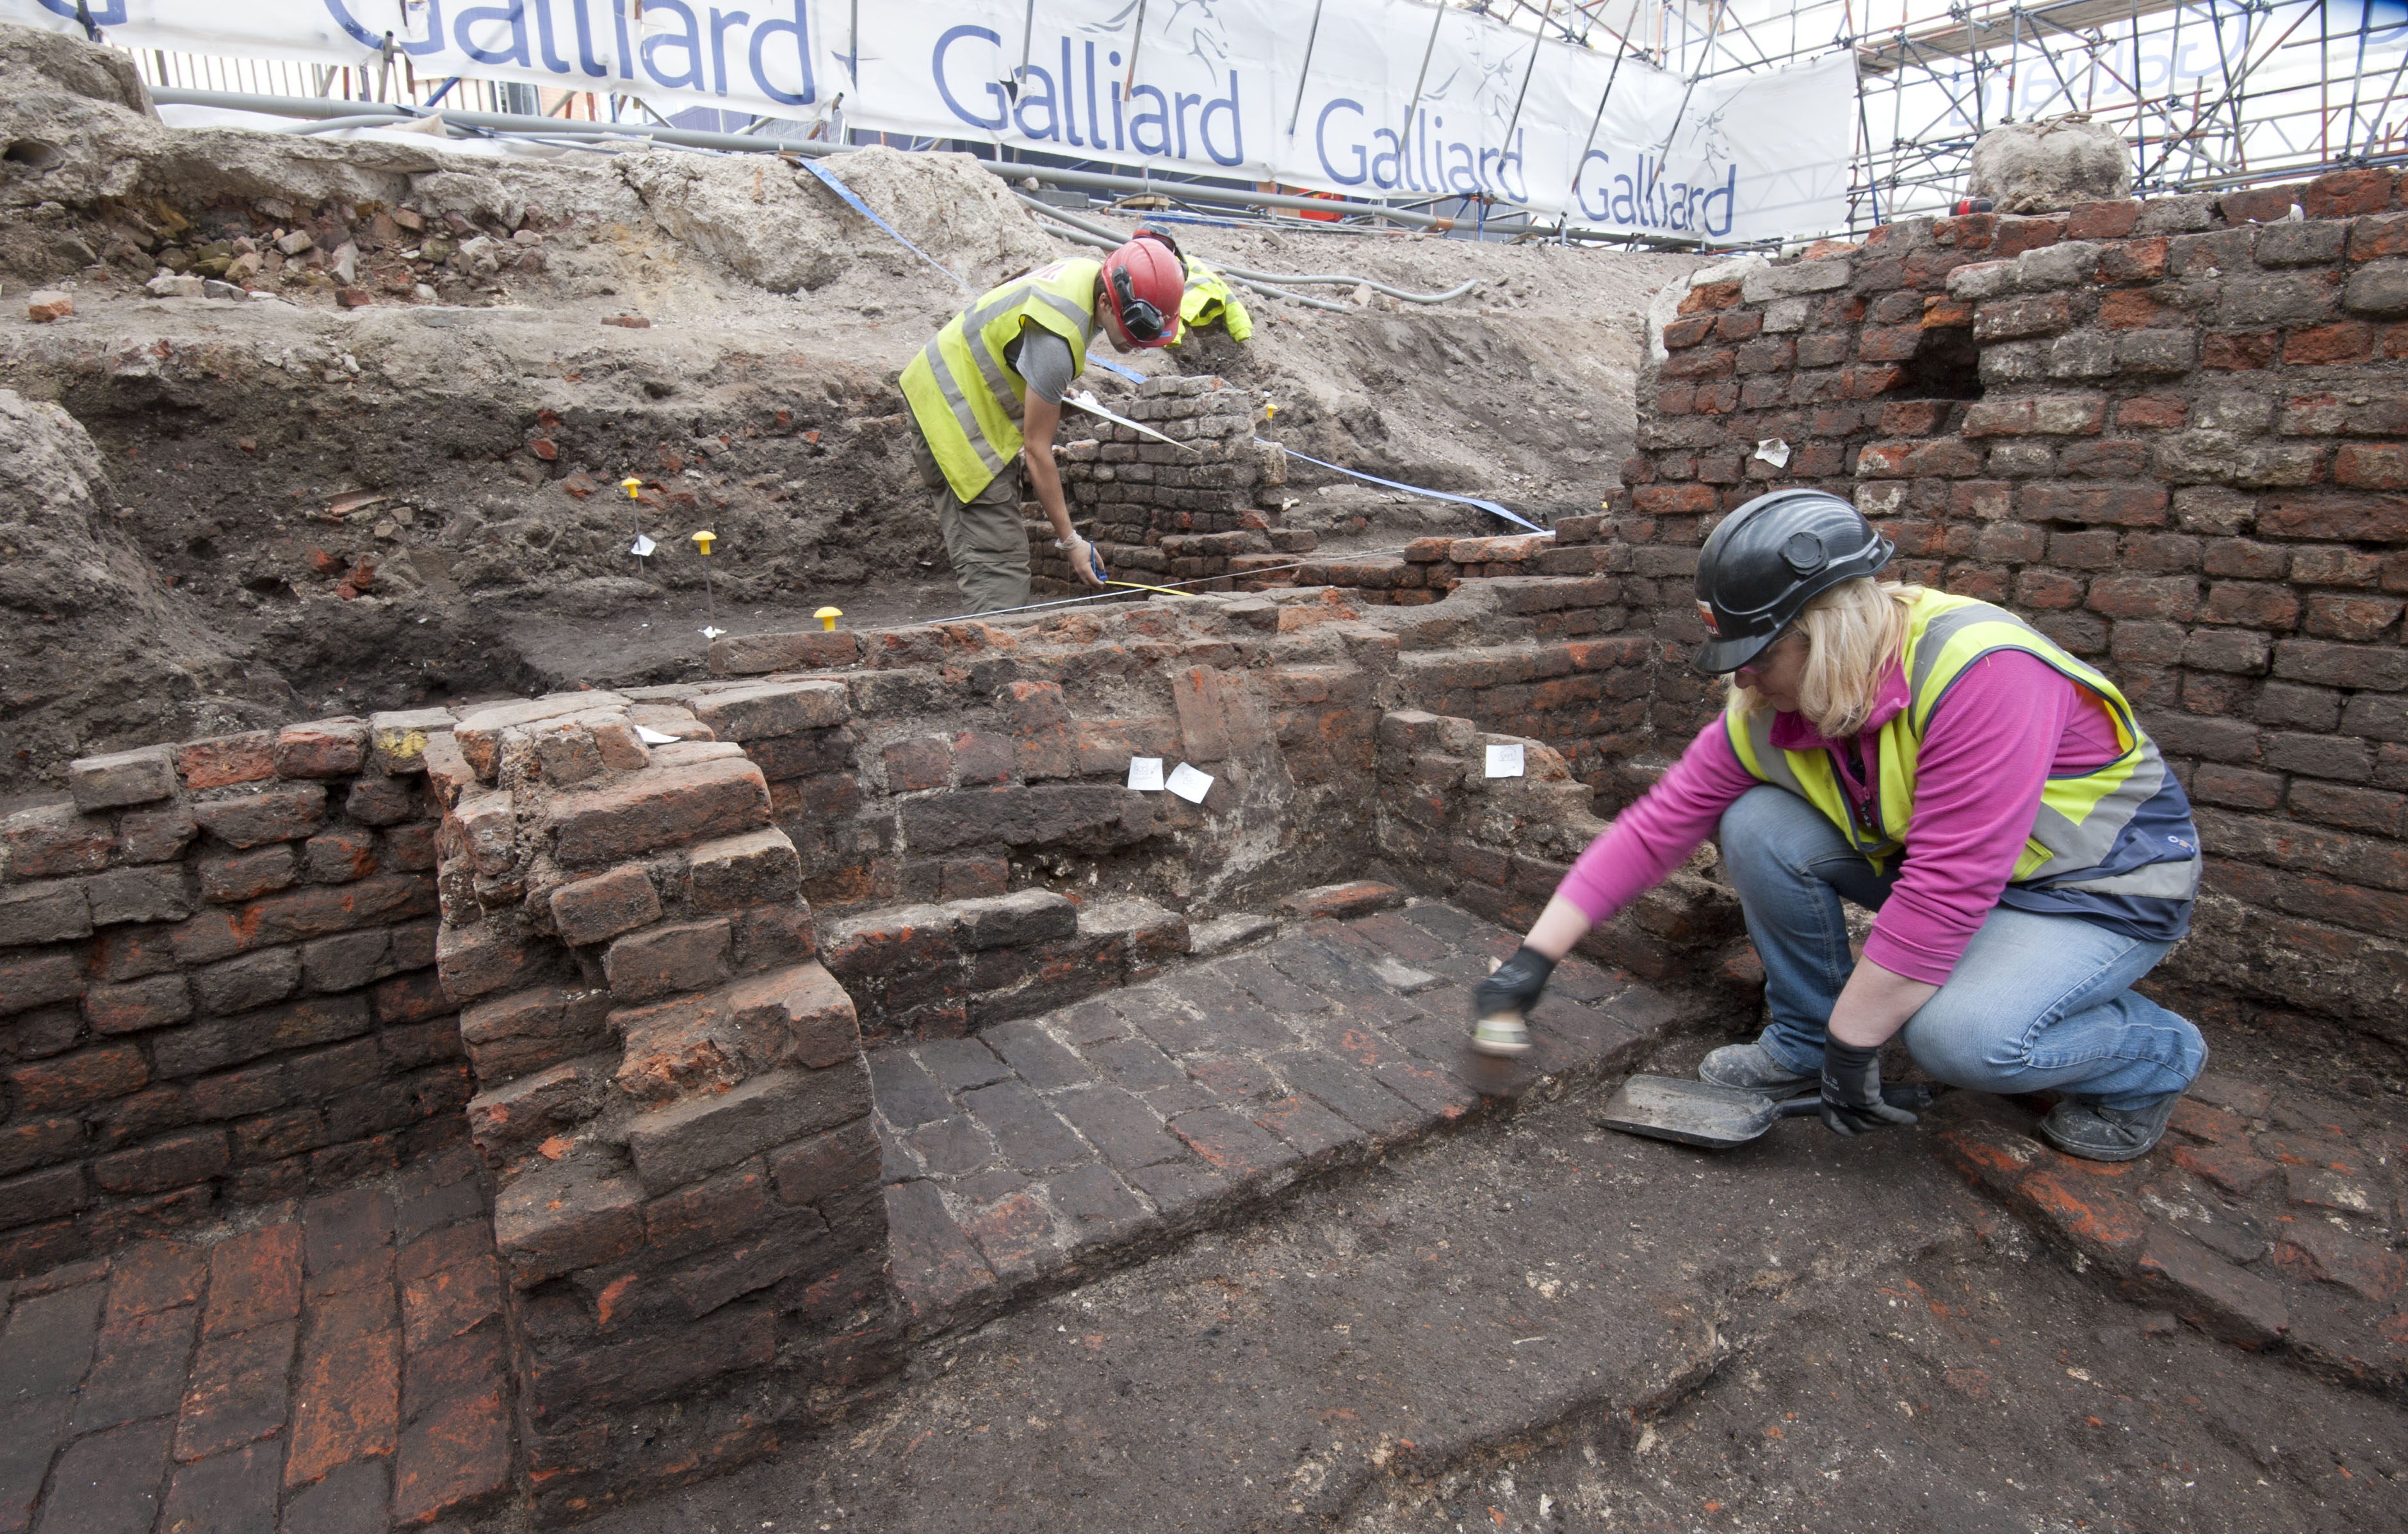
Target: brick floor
1038,1149
2268,1220
336,1366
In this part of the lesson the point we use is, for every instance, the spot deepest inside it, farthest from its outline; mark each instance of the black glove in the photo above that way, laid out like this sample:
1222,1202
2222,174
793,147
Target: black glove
1852,1091
1515,985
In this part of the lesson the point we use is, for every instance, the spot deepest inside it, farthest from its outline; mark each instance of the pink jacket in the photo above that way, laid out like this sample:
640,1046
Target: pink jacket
2009,722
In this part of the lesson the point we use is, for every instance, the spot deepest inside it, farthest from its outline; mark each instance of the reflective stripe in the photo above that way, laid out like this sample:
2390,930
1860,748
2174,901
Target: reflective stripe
968,401
942,374
2160,881
2079,841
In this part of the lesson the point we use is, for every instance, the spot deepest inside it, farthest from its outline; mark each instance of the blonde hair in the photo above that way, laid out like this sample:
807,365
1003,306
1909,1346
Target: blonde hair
1855,632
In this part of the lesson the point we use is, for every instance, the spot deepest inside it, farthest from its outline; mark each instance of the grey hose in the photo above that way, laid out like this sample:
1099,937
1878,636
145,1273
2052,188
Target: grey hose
1257,280
330,124
1083,233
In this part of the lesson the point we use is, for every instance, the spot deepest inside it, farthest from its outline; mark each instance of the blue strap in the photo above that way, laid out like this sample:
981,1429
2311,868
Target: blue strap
1111,367
827,179
1410,490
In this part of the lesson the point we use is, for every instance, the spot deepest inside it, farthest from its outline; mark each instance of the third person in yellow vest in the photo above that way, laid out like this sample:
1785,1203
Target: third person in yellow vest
985,395
1939,762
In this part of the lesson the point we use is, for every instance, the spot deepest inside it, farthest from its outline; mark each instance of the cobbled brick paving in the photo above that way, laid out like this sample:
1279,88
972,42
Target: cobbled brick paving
335,1367
1028,1152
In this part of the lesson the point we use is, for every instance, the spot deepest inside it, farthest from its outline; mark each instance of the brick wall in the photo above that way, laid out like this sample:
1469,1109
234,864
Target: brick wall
217,984
2172,435
1201,508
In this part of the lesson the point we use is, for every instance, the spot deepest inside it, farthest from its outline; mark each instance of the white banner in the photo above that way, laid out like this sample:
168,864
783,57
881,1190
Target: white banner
1368,103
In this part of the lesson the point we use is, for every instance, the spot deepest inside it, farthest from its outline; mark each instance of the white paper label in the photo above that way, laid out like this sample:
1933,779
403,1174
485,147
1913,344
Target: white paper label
1773,450
642,548
1145,772
713,633
652,736
1505,760
1190,785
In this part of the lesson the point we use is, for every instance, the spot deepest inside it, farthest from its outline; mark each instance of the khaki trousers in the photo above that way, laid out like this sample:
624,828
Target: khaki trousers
984,536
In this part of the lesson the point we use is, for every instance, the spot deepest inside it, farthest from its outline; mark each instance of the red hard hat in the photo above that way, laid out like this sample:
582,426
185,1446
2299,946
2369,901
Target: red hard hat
1143,283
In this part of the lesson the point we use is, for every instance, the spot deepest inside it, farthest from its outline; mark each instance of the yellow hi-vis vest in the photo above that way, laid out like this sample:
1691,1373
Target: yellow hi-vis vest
2122,829
967,403
1209,298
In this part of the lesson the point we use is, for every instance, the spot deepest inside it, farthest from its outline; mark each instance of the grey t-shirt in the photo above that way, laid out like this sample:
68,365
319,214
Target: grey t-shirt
1043,360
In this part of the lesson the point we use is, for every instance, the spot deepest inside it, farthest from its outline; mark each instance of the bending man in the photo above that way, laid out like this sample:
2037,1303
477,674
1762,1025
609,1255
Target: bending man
1937,761
991,382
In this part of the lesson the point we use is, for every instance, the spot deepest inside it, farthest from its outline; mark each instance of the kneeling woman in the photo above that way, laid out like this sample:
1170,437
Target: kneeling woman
1937,761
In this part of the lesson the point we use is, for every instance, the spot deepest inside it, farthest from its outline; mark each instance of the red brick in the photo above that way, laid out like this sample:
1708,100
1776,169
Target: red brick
2210,1293
236,1393
2371,518
1704,363
220,933
73,1080
915,765
2014,236
2128,308
178,1161
153,1276
2152,411
2372,466
347,1400
341,856
1680,335
454,1459
138,1005
2331,1257
227,759
2332,615
2232,1168
2383,234
286,813
662,960
2232,351
2102,220
254,1278
658,808
2347,193
2343,341
605,906
330,748
1711,296
2129,505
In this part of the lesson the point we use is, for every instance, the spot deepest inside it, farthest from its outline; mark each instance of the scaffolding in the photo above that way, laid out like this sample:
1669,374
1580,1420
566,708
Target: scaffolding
2209,95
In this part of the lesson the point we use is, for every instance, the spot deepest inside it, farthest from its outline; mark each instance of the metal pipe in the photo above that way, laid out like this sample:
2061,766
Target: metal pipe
1105,232
1419,81
552,128
1305,71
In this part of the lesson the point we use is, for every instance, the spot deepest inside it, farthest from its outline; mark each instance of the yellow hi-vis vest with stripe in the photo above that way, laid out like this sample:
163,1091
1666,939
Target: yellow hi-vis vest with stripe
1209,298
2122,829
967,403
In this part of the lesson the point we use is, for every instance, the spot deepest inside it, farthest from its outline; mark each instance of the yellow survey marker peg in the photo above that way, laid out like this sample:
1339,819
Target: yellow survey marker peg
827,617
705,539
632,485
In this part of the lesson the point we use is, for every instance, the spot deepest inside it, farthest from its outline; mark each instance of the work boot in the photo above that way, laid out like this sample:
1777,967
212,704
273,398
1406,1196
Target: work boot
2095,1132
1750,1067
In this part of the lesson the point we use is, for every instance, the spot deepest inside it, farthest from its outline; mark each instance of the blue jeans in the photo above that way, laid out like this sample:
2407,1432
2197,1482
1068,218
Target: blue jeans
2037,1001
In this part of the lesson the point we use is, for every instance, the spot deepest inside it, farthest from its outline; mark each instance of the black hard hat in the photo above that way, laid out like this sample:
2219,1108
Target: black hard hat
1768,560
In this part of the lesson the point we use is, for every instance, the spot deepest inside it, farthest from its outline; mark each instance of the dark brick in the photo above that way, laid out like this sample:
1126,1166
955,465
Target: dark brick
1039,1061
254,1278
247,875
2211,1294
172,1163
1119,1125
454,1459
237,1395
935,1266
1232,1144
108,1481
286,813
673,1145
152,1276
138,1370
347,1404
138,1005
233,1493
907,1095
48,1346
352,1500
348,1240
1026,1130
